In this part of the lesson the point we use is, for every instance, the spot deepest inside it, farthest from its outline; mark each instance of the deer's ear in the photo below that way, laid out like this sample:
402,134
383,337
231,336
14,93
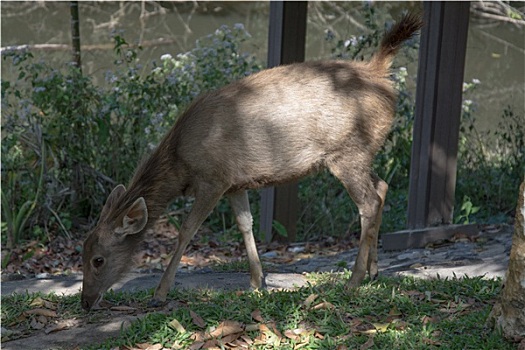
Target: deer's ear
135,219
112,198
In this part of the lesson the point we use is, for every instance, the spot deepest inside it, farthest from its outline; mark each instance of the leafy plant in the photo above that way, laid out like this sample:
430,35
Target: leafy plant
95,135
17,217
279,228
467,209
489,175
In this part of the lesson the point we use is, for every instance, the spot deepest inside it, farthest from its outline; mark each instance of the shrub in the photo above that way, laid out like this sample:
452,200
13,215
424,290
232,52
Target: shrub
489,176
80,139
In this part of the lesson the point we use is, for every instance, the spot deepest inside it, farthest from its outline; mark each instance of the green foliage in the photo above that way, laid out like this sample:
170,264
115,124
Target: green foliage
489,176
467,209
355,47
67,142
16,217
279,228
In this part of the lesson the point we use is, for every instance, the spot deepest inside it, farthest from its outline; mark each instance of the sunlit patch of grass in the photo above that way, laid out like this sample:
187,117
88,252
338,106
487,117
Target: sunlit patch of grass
389,313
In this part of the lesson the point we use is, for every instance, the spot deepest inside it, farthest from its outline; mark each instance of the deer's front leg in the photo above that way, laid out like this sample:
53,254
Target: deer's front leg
205,201
241,208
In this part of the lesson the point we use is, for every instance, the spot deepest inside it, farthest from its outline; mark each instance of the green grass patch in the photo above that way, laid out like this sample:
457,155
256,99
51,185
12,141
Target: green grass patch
390,313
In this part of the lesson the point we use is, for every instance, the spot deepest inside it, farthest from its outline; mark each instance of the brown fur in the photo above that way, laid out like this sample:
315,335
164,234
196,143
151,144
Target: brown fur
272,127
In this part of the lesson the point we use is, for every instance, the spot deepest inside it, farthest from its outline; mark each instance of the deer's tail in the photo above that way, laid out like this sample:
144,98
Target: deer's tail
403,30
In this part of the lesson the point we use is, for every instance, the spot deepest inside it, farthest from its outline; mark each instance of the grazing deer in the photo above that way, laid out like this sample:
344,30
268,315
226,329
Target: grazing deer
269,128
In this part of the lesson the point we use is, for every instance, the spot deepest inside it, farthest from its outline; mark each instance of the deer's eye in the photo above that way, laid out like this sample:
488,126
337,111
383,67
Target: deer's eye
97,262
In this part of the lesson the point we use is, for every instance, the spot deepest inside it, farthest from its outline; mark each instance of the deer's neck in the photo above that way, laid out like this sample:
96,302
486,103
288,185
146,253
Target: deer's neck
156,181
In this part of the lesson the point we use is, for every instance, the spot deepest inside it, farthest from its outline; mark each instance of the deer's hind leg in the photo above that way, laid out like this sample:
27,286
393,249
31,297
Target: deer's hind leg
241,208
368,192
381,188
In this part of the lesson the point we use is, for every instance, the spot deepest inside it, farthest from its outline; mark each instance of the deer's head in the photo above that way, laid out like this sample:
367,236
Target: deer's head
108,249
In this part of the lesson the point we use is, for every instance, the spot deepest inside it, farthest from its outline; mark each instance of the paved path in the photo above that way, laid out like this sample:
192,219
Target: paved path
487,256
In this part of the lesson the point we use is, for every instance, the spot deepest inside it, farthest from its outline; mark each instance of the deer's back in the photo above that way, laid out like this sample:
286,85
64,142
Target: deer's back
282,123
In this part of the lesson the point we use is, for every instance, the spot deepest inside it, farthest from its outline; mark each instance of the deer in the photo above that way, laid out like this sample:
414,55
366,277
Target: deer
272,127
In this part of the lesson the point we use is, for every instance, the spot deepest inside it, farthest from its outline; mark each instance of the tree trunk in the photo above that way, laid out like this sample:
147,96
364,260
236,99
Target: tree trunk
508,314
75,34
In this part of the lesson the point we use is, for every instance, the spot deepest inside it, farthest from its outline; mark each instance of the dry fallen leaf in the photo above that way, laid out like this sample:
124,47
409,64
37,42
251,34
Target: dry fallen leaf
212,343
247,339
325,305
227,328
41,312
298,333
197,320
36,324
310,300
59,326
198,336
230,338
239,344
426,319
273,327
270,335
300,345
196,345
177,326
381,327
290,334
38,302
256,315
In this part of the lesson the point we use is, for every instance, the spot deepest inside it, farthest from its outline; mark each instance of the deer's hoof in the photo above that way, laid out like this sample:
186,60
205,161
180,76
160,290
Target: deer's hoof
373,275
258,284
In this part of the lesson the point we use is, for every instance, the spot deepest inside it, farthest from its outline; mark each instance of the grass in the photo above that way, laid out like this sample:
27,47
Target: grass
390,313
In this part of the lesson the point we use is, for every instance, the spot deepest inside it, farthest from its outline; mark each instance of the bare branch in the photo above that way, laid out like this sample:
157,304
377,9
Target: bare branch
99,47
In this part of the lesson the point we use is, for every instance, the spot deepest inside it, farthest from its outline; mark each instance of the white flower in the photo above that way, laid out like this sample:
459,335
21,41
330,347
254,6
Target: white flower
165,57
476,81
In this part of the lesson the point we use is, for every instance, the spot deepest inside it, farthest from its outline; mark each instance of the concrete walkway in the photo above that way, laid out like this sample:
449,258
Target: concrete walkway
487,256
